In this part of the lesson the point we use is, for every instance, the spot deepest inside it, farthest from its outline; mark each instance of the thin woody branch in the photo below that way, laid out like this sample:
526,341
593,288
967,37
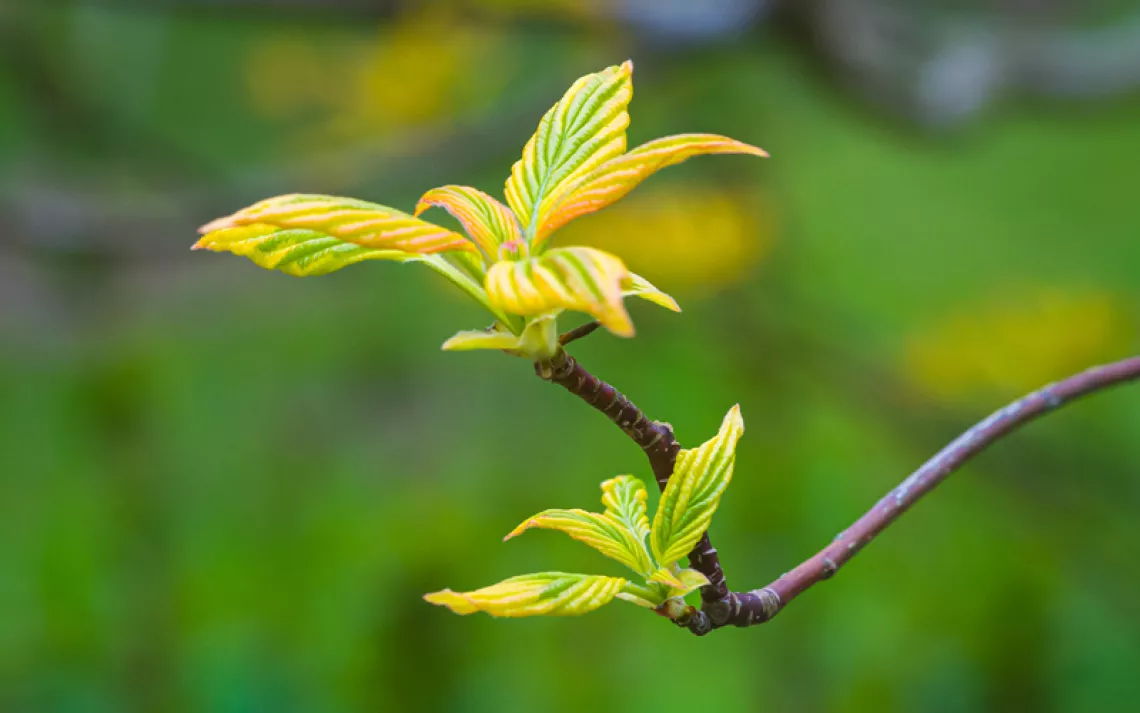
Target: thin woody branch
655,439
723,607
760,605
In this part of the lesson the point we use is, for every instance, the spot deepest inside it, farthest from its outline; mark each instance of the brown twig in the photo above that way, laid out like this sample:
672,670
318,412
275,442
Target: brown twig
722,607
660,446
578,332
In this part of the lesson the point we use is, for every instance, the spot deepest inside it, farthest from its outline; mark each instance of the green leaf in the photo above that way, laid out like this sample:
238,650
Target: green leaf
576,278
583,130
546,593
611,181
638,286
624,498
693,493
603,532
298,251
492,339
486,220
348,220
649,596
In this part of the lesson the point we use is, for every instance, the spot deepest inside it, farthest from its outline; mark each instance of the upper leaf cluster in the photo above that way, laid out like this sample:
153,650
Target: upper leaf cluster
575,163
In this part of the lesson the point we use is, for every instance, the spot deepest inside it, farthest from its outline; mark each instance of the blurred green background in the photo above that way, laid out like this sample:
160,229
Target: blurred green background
224,489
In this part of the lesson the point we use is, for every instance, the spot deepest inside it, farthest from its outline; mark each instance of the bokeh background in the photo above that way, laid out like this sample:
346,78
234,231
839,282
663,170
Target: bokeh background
225,489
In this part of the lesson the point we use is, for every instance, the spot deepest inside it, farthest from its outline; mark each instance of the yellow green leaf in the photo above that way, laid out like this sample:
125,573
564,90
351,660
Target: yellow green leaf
486,220
546,593
649,596
614,179
539,339
480,339
582,131
604,533
297,251
680,582
667,577
368,225
694,491
576,278
638,286
690,579
624,498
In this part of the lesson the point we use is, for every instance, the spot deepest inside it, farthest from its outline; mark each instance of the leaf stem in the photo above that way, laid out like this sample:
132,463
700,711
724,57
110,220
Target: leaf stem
578,332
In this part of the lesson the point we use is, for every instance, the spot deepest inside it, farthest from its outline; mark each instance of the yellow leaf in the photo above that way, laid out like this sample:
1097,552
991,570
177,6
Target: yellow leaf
614,179
486,220
582,131
638,286
649,596
347,220
666,577
690,579
547,593
693,493
604,533
624,498
297,252
476,339
581,279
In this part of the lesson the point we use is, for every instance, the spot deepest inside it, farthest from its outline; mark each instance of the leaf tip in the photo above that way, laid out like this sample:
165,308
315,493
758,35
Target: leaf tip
452,600
734,418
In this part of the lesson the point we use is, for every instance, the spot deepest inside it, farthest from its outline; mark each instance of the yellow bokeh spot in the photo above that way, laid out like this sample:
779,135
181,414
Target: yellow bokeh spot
680,237
1015,345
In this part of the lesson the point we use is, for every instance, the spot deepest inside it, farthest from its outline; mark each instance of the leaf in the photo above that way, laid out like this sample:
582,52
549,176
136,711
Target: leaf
298,252
479,339
538,341
575,278
667,577
604,533
486,220
582,131
614,179
638,286
690,579
546,593
694,491
624,498
649,596
347,220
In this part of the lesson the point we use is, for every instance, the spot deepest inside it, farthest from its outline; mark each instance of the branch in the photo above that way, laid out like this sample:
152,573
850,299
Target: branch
758,606
722,607
660,446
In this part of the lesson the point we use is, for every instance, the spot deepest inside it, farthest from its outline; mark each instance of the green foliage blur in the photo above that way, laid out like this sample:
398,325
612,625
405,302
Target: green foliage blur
224,489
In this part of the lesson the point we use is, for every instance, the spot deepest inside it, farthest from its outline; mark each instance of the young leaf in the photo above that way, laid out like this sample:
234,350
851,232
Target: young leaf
604,533
478,339
624,498
486,220
686,581
576,278
298,252
538,341
649,596
693,492
582,131
638,286
614,179
347,220
546,593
